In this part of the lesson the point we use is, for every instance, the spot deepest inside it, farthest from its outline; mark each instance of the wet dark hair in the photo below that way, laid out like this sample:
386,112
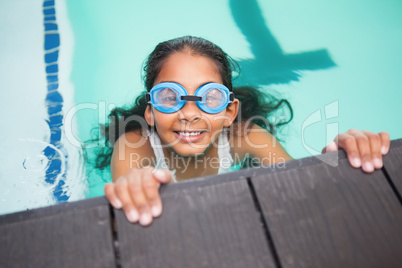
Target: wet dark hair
255,105
195,45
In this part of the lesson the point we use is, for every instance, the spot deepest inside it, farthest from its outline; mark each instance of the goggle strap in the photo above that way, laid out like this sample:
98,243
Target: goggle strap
191,98
148,97
231,97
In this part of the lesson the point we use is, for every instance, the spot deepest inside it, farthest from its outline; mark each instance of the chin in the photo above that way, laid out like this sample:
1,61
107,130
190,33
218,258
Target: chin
190,152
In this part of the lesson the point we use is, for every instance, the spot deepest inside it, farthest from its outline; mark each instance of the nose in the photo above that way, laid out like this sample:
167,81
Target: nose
190,112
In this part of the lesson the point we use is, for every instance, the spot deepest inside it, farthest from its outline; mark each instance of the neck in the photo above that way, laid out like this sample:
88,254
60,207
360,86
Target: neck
193,166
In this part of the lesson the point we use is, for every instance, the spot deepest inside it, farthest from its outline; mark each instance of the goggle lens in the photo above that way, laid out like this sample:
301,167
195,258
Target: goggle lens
214,98
167,97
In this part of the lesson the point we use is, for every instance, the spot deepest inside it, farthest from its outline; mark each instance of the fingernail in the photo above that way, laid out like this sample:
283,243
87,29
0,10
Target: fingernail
160,174
156,211
356,162
377,162
132,215
368,167
332,146
145,219
117,204
384,150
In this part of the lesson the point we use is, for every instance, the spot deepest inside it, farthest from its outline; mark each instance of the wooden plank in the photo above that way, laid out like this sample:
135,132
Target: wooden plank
393,164
76,234
205,223
324,216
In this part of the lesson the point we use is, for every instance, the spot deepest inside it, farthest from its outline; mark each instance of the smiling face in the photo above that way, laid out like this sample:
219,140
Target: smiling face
189,131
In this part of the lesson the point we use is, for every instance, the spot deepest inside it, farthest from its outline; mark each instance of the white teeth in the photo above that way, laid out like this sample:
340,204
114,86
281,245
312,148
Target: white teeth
182,133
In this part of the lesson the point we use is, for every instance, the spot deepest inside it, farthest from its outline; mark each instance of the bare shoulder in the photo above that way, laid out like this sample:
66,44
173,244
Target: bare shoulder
259,143
129,151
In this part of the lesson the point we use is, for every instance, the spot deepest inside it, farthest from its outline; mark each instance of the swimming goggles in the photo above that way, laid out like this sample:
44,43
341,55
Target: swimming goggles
170,97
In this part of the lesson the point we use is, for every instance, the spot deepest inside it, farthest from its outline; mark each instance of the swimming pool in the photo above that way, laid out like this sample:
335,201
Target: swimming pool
337,62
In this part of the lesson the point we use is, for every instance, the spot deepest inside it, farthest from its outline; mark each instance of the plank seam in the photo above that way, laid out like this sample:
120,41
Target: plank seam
268,236
391,183
115,240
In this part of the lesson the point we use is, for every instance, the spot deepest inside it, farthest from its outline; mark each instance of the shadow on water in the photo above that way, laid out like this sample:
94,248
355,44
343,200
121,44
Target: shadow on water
270,64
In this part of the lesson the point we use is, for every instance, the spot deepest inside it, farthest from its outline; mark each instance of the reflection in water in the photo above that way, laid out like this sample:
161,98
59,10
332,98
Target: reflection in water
270,65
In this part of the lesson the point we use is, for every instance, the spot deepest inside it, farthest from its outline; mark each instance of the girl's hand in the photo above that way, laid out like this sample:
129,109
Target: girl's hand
363,148
137,192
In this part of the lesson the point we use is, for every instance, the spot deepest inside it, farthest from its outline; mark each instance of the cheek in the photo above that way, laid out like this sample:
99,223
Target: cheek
164,120
218,119
216,122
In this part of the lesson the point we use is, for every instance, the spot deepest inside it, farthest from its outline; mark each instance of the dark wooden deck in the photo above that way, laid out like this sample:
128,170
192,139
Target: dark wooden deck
308,214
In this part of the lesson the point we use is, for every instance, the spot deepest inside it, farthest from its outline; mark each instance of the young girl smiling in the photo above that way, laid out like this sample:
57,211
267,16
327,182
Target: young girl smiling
188,125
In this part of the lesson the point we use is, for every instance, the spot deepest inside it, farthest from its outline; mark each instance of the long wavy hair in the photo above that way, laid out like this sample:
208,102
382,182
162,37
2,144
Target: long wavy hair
255,107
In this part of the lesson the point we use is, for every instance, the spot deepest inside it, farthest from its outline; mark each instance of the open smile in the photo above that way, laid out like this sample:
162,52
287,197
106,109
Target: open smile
189,136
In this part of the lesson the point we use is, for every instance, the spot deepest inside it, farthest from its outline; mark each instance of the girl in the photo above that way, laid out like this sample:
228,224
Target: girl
190,123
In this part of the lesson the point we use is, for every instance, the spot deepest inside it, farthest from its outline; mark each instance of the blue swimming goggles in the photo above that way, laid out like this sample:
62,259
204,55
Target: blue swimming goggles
170,97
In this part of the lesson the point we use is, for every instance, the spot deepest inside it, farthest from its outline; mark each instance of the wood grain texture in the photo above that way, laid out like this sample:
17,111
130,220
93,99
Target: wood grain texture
76,234
324,216
393,164
206,223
